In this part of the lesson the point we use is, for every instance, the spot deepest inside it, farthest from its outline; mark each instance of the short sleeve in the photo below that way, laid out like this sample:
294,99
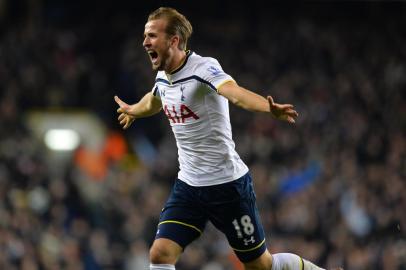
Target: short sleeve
212,72
156,92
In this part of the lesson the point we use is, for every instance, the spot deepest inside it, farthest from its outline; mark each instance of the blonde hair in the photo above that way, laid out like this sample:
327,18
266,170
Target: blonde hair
177,24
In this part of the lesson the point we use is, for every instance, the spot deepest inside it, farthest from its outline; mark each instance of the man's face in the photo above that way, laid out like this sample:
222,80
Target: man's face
157,44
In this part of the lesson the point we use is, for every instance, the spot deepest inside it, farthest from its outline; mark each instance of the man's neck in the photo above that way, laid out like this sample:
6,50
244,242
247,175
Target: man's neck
178,60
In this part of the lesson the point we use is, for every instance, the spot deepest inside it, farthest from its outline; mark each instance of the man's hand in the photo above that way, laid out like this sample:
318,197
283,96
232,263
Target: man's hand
125,118
282,111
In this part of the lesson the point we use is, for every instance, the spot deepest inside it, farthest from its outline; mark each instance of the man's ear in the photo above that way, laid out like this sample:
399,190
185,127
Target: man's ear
175,41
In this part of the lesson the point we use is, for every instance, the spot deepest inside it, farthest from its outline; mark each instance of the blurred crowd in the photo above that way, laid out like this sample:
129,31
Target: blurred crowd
331,188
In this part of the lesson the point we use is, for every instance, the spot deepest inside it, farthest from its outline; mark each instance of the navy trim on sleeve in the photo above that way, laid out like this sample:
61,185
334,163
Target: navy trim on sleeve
163,81
193,77
198,79
155,90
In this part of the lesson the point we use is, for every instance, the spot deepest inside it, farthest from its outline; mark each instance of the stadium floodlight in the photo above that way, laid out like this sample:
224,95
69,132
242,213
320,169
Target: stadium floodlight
62,132
66,130
62,139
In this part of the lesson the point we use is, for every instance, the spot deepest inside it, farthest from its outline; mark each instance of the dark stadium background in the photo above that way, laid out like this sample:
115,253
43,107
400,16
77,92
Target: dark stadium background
331,188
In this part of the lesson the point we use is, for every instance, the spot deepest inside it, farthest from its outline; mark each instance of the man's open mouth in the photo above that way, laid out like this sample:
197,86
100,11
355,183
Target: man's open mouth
153,55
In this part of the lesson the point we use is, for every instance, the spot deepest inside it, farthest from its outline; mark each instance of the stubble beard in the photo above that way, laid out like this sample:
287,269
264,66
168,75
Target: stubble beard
164,62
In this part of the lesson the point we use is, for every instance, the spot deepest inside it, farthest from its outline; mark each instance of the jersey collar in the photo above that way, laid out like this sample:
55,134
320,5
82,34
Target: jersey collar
188,53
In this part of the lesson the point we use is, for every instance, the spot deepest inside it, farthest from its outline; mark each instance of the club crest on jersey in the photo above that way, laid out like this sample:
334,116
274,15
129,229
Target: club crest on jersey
179,115
182,97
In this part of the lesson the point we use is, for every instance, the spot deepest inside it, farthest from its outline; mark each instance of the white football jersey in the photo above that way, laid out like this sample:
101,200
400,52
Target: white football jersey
200,121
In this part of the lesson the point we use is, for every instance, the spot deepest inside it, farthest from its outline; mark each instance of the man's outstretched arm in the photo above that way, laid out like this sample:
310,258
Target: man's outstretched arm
251,101
147,106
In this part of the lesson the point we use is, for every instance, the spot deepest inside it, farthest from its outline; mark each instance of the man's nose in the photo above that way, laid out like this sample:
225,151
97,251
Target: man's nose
146,42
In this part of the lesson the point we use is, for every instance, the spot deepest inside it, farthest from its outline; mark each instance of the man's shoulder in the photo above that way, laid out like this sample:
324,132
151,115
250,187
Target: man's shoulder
203,65
160,75
199,60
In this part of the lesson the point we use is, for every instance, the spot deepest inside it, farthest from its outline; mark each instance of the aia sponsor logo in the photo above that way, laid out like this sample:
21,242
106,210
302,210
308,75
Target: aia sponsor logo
180,114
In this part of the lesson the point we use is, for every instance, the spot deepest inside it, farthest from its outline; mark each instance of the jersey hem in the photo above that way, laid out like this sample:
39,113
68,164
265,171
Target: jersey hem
216,182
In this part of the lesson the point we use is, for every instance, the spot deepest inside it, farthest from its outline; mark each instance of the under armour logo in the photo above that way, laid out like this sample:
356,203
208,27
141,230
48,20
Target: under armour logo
214,70
247,241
